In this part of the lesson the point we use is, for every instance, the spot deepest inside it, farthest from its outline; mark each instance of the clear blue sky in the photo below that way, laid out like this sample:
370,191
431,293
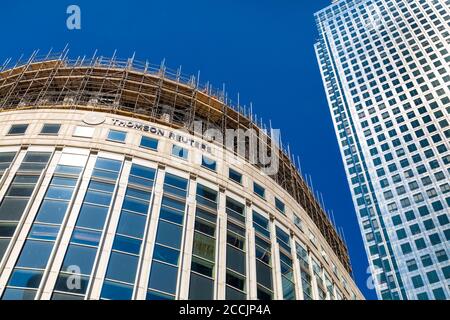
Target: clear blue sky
260,48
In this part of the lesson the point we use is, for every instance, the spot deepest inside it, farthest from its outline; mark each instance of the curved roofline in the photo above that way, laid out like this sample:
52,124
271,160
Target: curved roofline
141,90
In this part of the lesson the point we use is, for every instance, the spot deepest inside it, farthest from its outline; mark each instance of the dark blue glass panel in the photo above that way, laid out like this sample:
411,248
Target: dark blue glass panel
149,143
166,201
165,254
25,278
135,205
81,257
44,232
118,136
206,193
69,182
131,224
92,217
35,254
101,186
18,294
153,295
135,193
60,193
122,267
87,237
126,244
137,170
171,215
175,181
52,211
108,164
163,277
209,163
96,197
116,291
71,283
168,234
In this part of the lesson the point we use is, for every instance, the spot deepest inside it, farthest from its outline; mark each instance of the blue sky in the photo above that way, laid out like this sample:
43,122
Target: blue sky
262,49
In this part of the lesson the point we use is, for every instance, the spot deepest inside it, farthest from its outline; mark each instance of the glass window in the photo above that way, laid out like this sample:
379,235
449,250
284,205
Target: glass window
65,283
165,254
149,143
169,234
86,237
259,190
127,244
80,256
180,152
117,136
25,278
280,205
131,224
209,163
52,211
44,232
200,288
122,267
163,277
116,291
35,254
235,176
50,129
18,294
236,259
17,129
92,216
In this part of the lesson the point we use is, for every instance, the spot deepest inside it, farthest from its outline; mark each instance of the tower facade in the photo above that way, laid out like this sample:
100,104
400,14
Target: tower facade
385,69
115,184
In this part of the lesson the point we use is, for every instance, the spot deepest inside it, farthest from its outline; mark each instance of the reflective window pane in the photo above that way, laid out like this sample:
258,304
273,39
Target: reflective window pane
163,277
92,216
127,244
35,254
116,291
169,234
79,257
122,267
52,211
131,224
25,278
18,294
87,237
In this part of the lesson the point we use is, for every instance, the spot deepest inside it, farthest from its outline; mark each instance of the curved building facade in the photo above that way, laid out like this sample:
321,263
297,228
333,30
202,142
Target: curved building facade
114,184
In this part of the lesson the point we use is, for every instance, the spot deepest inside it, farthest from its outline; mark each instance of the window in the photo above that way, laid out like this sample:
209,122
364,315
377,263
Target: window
180,152
259,190
280,205
83,245
50,129
149,143
209,163
117,136
17,129
235,176
83,132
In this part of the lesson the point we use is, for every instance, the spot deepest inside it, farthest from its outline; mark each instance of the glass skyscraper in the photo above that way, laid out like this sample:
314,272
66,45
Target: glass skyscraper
385,68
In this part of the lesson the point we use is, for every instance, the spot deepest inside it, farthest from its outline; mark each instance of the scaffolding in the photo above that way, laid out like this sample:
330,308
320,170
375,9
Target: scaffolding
151,92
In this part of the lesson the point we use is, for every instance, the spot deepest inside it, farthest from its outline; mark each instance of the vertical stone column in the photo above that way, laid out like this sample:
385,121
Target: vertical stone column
221,252
186,253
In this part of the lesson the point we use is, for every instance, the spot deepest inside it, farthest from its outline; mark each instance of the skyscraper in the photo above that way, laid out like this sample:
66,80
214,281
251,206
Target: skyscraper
385,68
